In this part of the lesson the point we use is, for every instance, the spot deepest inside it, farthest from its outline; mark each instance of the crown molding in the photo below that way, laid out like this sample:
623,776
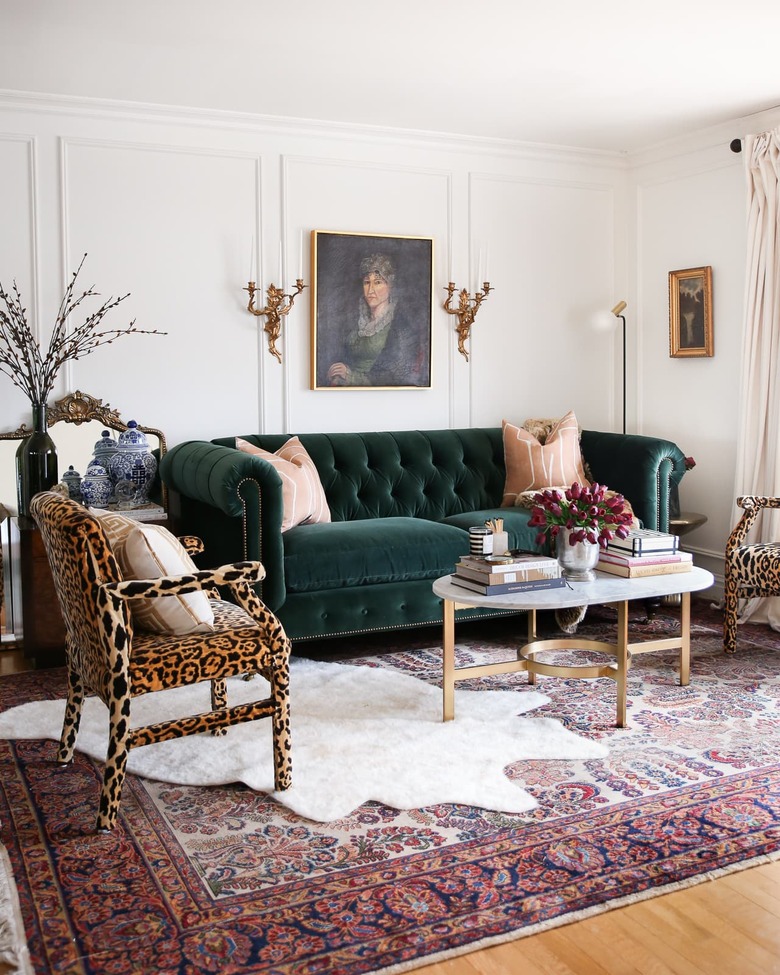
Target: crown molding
112,109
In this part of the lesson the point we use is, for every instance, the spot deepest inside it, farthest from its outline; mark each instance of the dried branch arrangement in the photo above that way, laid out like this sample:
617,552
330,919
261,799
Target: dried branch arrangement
21,358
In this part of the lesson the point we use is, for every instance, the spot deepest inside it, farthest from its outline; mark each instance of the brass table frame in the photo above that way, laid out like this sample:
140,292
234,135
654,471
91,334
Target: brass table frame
622,650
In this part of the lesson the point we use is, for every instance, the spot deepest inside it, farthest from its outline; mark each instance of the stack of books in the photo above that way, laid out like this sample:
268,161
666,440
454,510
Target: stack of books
644,553
493,575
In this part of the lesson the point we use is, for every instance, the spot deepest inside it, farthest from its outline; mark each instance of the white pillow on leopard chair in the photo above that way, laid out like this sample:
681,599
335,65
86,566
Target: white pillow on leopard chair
151,551
147,551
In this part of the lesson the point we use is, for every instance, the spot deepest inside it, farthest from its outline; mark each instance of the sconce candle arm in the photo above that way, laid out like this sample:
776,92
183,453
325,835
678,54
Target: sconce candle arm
466,311
278,304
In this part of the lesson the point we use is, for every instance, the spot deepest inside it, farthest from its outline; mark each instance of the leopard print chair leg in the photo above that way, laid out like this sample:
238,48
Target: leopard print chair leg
70,727
108,657
750,570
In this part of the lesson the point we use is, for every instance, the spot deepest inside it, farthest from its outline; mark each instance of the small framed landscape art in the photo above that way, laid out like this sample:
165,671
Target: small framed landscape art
690,312
372,308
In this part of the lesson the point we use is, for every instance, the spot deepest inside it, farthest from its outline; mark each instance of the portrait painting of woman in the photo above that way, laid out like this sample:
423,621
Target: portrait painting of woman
372,310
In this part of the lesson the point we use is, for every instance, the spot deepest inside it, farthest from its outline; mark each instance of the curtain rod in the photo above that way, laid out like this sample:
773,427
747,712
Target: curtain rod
736,145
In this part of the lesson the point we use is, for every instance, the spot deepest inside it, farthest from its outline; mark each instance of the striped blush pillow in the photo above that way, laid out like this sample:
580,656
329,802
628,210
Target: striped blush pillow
302,494
532,466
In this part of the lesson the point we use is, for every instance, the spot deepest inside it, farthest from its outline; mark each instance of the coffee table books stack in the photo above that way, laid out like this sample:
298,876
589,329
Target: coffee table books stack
644,553
493,575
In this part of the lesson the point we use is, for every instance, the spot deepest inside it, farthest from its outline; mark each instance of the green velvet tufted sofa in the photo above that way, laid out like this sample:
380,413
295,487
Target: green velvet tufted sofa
401,504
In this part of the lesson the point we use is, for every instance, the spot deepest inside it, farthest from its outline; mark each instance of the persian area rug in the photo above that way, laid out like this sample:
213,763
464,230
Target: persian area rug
359,733
205,879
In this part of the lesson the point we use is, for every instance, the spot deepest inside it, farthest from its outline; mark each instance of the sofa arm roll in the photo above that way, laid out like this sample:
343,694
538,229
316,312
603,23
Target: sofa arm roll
642,469
233,501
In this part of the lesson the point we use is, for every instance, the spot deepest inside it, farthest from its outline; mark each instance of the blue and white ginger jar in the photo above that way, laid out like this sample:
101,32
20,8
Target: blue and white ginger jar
96,487
134,461
104,450
72,479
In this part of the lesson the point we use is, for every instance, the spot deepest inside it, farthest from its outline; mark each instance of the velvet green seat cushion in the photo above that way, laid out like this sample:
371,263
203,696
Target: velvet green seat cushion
374,550
515,524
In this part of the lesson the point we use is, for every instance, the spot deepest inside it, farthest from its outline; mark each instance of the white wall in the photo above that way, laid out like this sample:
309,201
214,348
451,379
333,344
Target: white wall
690,210
166,204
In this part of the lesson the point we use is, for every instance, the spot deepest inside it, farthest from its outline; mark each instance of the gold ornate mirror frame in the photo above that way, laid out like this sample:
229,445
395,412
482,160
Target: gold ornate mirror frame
80,408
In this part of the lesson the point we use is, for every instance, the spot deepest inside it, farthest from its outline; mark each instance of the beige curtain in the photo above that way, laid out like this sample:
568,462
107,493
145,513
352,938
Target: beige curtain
758,448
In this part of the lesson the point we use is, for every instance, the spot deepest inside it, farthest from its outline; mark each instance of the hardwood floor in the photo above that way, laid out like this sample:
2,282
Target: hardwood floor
727,926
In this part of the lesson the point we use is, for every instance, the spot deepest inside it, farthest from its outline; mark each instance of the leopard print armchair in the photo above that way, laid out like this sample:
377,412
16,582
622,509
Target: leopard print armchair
751,570
106,656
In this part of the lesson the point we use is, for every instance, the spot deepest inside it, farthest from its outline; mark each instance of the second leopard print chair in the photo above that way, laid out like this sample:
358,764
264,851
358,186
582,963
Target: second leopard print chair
751,570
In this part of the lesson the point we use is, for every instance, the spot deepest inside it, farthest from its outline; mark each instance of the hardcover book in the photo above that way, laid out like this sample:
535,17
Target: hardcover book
508,587
516,575
652,558
642,541
511,562
650,569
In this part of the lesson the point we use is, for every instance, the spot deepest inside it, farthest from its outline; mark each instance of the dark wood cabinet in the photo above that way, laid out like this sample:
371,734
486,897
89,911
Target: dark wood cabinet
43,631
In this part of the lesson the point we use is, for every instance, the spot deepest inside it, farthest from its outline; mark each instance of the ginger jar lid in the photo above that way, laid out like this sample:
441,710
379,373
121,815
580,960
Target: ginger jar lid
132,438
106,445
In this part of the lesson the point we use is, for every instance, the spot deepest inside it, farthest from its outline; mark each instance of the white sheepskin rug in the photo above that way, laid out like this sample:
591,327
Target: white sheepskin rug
358,733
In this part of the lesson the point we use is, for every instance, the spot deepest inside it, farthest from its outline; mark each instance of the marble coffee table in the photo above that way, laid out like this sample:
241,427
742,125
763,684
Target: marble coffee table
604,590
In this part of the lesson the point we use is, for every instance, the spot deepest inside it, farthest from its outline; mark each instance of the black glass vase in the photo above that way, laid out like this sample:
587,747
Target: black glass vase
36,461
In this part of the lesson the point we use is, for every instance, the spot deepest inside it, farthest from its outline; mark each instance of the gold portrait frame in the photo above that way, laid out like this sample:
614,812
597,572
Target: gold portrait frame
690,313
337,296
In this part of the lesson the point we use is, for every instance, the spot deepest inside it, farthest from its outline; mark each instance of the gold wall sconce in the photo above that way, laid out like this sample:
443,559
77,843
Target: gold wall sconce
466,311
278,305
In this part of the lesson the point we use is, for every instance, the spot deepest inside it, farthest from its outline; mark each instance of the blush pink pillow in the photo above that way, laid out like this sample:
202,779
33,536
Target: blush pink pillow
533,466
302,494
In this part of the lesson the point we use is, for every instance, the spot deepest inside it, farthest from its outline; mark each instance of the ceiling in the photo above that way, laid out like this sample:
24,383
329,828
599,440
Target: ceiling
611,75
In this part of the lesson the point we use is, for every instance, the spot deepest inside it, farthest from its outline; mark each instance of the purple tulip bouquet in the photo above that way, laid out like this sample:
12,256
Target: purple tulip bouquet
588,513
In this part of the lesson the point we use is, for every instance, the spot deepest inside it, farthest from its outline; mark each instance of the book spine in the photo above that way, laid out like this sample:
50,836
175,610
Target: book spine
541,562
637,571
650,559
495,578
507,587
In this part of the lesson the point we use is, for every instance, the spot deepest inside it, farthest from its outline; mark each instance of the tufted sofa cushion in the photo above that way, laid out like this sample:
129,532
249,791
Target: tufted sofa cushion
412,473
369,551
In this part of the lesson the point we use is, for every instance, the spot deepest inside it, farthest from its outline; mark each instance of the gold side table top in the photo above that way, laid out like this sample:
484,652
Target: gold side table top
686,522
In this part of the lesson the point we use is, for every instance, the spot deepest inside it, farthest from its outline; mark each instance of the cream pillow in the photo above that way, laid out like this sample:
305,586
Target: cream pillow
532,466
302,495
148,552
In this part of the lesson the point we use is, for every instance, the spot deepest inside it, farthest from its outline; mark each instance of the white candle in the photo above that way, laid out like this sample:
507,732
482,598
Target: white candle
251,260
300,260
450,270
280,265
479,271
487,264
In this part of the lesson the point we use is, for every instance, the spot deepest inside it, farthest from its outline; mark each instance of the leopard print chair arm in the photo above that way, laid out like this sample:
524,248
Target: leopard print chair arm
192,544
752,505
226,575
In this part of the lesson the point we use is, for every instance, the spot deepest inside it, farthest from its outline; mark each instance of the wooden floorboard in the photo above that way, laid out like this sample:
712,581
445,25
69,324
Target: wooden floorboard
727,926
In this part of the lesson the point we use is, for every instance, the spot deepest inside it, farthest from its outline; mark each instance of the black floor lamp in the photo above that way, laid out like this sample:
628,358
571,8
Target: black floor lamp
617,312
604,321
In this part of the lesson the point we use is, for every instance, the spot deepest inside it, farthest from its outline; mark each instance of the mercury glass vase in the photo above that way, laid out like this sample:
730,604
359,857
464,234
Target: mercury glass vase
36,461
577,561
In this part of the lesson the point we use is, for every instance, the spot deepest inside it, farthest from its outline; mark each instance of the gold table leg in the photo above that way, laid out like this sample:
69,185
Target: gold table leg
448,666
623,658
621,650
685,639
